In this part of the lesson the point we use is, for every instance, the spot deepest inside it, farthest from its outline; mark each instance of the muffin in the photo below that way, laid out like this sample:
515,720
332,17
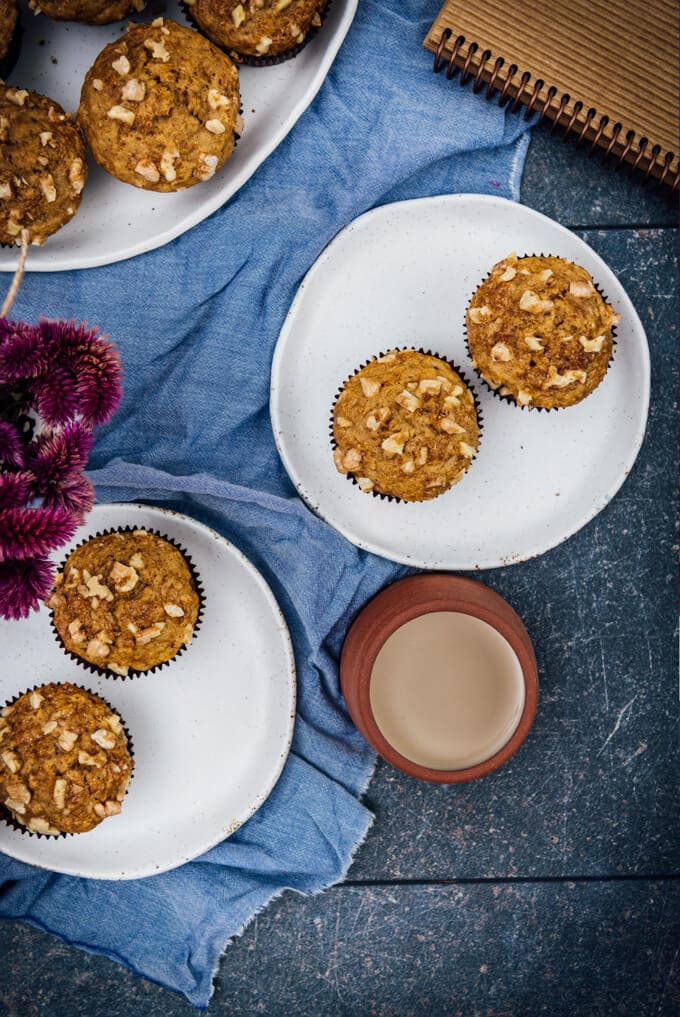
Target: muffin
43,167
539,332
125,601
160,107
89,12
9,35
406,426
259,29
65,763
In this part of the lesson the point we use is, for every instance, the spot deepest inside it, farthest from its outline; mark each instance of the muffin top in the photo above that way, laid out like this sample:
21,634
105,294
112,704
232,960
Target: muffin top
160,107
125,601
405,425
64,759
258,28
539,331
9,12
42,165
89,12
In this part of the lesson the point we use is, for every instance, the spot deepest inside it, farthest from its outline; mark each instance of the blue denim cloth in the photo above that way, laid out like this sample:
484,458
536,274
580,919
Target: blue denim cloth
196,323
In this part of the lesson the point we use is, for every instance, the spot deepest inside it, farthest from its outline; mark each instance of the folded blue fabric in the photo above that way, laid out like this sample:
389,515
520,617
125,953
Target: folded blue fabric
196,323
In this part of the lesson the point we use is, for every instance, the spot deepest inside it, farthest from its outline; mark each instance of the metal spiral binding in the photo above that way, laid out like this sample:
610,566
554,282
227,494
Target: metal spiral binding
502,83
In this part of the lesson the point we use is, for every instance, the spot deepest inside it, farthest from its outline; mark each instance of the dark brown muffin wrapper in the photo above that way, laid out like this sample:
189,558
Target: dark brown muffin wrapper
247,59
478,410
508,398
134,673
10,58
7,817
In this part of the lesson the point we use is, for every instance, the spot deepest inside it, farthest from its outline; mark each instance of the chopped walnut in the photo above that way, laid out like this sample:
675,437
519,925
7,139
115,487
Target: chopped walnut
545,274
17,95
478,314
85,759
125,116
467,450
152,632
557,380
133,90
394,444
530,301
238,15
93,587
501,352
97,648
59,792
264,45
524,398
169,172
157,50
118,668
45,136
105,739
67,740
49,727
509,274
408,467
40,825
451,426
103,809
121,66
76,175
217,100
343,422
123,577
581,289
137,561
534,343
48,188
97,84
421,458
410,402
369,387
5,190
592,345
430,386
35,699
174,610
215,126
365,484
145,168
10,760
207,164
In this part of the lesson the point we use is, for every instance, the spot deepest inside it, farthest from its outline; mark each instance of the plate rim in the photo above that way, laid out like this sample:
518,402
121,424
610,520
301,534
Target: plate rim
66,263
287,327
145,871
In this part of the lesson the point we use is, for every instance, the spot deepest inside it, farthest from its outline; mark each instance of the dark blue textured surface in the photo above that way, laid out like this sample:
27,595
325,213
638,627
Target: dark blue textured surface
583,797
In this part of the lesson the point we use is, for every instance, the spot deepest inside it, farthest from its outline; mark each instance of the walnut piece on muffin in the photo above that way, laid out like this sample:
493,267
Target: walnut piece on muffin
43,166
64,760
539,332
405,426
160,107
125,601
257,28
87,12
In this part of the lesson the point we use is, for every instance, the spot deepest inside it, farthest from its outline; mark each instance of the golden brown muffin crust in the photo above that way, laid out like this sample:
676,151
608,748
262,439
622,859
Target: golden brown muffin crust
539,331
160,107
258,28
9,13
125,601
88,12
43,166
64,760
405,425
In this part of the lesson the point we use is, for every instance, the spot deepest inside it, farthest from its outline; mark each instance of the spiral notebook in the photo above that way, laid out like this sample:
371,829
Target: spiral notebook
605,70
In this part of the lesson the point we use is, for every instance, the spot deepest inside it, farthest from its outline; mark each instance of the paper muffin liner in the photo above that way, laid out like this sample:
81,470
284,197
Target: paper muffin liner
246,59
10,58
7,817
134,672
478,410
508,398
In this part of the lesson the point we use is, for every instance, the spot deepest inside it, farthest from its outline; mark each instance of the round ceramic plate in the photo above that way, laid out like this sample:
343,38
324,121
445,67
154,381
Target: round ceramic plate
211,731
402,275
117,221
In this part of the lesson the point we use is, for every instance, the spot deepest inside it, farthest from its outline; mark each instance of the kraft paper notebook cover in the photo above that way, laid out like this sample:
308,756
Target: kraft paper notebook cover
606,70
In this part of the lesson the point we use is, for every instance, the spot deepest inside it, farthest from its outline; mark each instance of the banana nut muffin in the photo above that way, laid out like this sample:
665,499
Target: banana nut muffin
257,28
125,601
43,166
406,426
539,332
9,22
89,12
160,107
64,760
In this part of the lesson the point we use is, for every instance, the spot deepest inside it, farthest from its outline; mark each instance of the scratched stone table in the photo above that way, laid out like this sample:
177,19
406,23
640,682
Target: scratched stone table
552,886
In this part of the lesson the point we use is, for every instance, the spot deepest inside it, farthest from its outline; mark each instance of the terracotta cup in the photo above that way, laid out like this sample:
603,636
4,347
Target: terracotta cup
401,602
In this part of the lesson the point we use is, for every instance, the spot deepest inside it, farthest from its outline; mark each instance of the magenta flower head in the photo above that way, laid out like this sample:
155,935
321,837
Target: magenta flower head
58,380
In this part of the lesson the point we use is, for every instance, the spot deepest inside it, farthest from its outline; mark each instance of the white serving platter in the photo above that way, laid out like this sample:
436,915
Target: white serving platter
117,221
211,731
402,275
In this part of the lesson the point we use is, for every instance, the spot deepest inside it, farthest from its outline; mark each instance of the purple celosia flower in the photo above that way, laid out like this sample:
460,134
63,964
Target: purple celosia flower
57,381
23,584
22,352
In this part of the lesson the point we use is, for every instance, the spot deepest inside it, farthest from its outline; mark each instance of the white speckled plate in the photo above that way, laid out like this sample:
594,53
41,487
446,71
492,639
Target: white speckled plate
117,221
402,275
211,731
